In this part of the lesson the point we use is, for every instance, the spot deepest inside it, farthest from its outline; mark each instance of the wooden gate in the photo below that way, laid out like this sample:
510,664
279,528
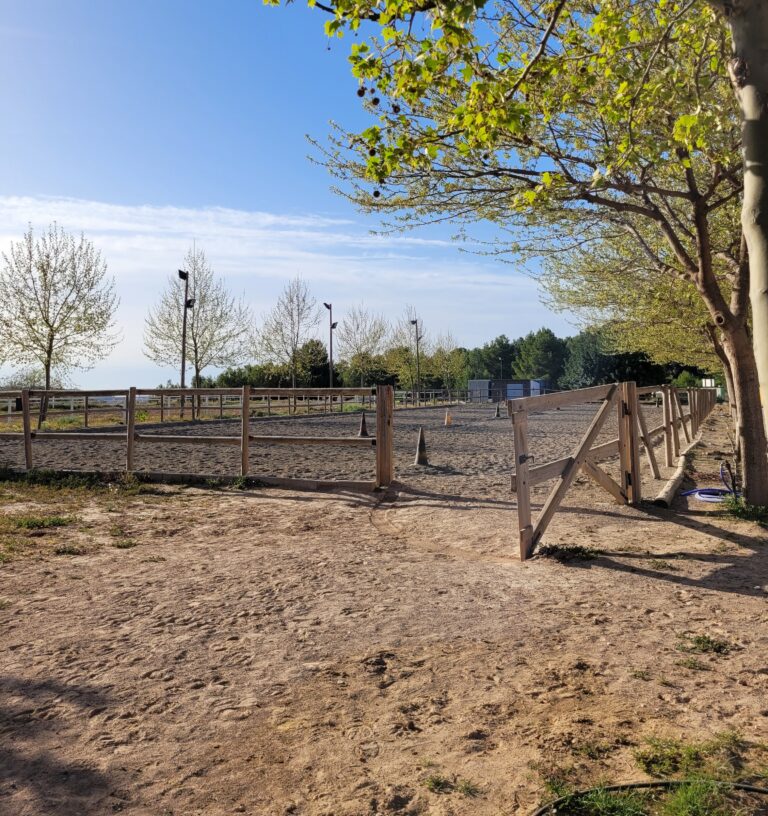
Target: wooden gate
633,431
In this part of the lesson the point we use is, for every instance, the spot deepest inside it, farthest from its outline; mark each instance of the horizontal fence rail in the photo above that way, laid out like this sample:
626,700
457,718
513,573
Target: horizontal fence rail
241,401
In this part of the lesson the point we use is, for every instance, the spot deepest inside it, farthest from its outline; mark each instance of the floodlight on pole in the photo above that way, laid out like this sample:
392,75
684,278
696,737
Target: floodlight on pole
415,324
332,326
187,303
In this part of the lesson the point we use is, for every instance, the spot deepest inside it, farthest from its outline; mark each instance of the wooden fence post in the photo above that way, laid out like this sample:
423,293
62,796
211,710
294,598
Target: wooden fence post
130,423
642,429
162,408
629,449
244,429
525,527
85,411
385,407
667,406
27,425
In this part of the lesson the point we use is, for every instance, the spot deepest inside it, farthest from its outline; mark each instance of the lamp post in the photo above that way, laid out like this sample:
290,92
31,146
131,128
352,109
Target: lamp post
332,325
188,304
415,324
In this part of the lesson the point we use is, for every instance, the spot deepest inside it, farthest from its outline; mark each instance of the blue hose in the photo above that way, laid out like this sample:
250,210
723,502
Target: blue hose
713,494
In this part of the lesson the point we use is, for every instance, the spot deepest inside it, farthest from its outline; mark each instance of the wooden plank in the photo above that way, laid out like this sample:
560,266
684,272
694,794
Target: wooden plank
356,485
384,435
523,487
245,418
71,392
547,402
604,480
648,389
130,429
675,422
669,457
109,435
27,426
679,408
553,470
349,441
604,451
580,455
642,428
629,449
179,439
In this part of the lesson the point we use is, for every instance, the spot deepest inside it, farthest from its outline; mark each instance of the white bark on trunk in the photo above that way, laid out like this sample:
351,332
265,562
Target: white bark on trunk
748,20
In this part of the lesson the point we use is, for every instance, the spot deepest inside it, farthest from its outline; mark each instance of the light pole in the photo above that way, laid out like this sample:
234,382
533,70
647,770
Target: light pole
332,325
415,324
188,304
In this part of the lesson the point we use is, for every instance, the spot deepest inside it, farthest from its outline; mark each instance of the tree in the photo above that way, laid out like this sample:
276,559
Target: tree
540,356
592,361
218,325
361,335
448,363
562,116
312,365
493,360
57,304
402,356
288,326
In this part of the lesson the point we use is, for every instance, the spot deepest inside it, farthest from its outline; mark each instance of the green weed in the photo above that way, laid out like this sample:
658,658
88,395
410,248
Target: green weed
41,522
703,644
718,757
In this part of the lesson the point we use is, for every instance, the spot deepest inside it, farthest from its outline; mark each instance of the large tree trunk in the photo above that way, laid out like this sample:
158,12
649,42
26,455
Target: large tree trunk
748,20
750,430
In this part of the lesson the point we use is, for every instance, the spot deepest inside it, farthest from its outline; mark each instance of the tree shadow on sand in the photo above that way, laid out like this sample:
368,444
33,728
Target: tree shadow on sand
739,574
36,774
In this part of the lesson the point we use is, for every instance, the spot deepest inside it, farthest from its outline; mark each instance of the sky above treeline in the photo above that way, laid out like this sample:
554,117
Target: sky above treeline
147,125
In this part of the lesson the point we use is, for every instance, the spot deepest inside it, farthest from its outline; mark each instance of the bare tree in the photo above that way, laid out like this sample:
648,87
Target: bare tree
218,325
287,327
408,346
361,335
57,304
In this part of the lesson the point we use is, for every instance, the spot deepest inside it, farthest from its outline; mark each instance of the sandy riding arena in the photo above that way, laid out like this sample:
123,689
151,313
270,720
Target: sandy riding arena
206,650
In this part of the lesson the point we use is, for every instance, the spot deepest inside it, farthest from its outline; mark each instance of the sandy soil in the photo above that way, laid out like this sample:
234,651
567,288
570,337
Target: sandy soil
269,652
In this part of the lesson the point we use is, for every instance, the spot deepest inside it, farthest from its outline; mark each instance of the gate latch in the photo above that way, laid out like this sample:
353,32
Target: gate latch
523,458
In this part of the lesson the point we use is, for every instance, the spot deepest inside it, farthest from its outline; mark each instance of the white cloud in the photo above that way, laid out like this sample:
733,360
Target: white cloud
475,297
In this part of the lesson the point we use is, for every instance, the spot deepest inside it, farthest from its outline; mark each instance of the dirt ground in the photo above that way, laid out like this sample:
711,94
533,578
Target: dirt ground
206,651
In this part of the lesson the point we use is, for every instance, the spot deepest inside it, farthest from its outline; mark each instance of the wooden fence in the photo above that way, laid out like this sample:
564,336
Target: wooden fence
633,433
246,399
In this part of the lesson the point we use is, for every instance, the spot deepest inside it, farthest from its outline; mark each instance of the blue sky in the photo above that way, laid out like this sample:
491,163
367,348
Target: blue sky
149,124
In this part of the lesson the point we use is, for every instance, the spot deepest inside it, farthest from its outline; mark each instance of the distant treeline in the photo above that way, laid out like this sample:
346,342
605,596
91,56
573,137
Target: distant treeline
580,361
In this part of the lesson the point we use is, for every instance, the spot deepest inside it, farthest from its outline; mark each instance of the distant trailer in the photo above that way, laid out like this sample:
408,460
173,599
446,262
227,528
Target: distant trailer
500,390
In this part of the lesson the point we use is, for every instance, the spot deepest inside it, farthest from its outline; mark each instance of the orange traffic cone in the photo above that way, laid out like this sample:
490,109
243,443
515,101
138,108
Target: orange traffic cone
448,417
363,428
421,450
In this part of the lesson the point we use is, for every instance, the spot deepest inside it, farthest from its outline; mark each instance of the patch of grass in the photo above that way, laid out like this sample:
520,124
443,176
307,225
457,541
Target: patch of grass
69,549
693,664
718,757
699,797
660,563
437,783
641,674
4,603
240,483
124,543
50,478
739,509
567,552
155,559
601,802
467,788
41,522
704,644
